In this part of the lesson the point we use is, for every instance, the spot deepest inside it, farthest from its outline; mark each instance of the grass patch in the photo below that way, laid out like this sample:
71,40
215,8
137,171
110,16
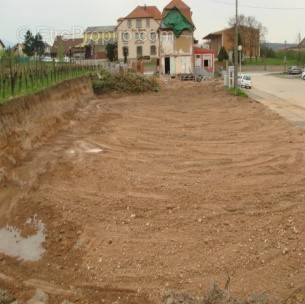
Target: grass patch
129,82
237,92
270,61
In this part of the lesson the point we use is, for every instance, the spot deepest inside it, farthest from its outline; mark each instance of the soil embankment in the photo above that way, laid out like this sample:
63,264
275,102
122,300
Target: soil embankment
26,122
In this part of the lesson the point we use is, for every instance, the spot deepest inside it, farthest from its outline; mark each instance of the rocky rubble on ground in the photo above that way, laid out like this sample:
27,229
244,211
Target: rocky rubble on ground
5,297
40,297
216,295
220,296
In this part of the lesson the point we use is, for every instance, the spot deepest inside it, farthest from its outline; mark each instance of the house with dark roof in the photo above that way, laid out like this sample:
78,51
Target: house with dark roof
302,44
96,39
137,34
2,46
70,47
176,39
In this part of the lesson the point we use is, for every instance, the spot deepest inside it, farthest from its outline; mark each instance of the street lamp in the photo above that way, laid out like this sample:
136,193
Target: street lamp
236,47
240,48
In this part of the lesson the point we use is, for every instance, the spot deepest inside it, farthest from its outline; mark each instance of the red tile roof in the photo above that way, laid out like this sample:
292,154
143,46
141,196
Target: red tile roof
199,50
145,12
182,7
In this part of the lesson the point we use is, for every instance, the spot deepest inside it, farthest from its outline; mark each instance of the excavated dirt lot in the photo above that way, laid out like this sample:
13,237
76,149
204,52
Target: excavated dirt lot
164,191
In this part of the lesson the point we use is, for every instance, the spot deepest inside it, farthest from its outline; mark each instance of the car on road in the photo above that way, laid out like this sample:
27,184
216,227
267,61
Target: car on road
244,81
46,59
294,70
303,75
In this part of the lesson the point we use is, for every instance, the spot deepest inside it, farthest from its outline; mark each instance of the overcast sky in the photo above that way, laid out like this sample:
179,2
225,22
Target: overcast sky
55,16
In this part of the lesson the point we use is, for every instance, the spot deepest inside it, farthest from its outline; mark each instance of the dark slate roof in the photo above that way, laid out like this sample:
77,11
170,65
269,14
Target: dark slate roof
100,29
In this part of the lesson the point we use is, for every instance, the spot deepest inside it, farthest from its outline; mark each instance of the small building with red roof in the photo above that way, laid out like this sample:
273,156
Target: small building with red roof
137,34
204,61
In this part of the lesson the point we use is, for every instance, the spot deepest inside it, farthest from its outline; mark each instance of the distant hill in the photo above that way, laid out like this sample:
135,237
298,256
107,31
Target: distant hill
280,46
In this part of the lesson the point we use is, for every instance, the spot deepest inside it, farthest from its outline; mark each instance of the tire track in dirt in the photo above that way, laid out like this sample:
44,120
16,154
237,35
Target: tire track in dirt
180,187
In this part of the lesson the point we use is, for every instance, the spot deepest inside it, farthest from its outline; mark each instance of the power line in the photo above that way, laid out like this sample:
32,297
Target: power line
260,7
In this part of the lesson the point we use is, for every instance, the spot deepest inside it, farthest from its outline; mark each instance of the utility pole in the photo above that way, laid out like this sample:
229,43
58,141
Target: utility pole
236,49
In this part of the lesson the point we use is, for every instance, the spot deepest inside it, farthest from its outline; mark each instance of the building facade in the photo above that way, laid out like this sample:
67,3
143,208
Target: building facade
249,38
137,34
66,47
96,39
176,39
18,50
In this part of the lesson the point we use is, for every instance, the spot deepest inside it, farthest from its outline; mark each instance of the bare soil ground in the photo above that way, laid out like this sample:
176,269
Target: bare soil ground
164,191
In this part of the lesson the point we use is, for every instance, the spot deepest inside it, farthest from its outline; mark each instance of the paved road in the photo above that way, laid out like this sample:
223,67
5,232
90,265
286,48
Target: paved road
285,96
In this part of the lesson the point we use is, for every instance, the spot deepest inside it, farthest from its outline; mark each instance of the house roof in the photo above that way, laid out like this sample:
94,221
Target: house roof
302,43
213,35
182,7
18,45
67,44
100,29
198,51
2,43
219,33
145,12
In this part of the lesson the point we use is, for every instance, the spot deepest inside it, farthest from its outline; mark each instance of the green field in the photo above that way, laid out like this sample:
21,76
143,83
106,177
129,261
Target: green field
270,61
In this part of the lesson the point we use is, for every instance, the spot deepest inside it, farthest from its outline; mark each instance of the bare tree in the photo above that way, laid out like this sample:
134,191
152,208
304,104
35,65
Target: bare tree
252,33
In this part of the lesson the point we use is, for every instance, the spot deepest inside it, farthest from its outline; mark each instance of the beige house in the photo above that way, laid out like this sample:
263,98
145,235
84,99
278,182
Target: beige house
18,49
138,34
176,39
96,39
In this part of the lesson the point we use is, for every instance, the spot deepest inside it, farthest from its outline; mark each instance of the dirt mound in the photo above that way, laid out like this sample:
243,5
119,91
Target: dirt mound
124,83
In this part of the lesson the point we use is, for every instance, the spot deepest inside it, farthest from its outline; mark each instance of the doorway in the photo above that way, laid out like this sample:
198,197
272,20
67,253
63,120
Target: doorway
167,65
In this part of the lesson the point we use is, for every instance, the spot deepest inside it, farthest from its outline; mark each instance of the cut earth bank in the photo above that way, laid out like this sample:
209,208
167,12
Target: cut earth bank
139,195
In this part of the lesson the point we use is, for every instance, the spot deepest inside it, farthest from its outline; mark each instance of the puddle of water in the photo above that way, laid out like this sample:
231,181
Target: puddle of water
23,248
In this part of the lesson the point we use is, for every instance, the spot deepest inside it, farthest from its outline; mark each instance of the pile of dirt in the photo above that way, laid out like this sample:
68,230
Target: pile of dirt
129,82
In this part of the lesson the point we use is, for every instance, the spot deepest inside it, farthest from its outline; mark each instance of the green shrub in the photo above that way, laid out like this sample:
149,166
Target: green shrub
237,92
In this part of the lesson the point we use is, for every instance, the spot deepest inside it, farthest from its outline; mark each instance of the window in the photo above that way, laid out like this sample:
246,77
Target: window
153,36
125,51
206,63
139,23
153,50
129,23
125,36
147,22
139,51
140,36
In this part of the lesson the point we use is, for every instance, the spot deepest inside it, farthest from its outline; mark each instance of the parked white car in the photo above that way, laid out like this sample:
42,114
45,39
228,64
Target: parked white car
244,81
303,75
46,59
